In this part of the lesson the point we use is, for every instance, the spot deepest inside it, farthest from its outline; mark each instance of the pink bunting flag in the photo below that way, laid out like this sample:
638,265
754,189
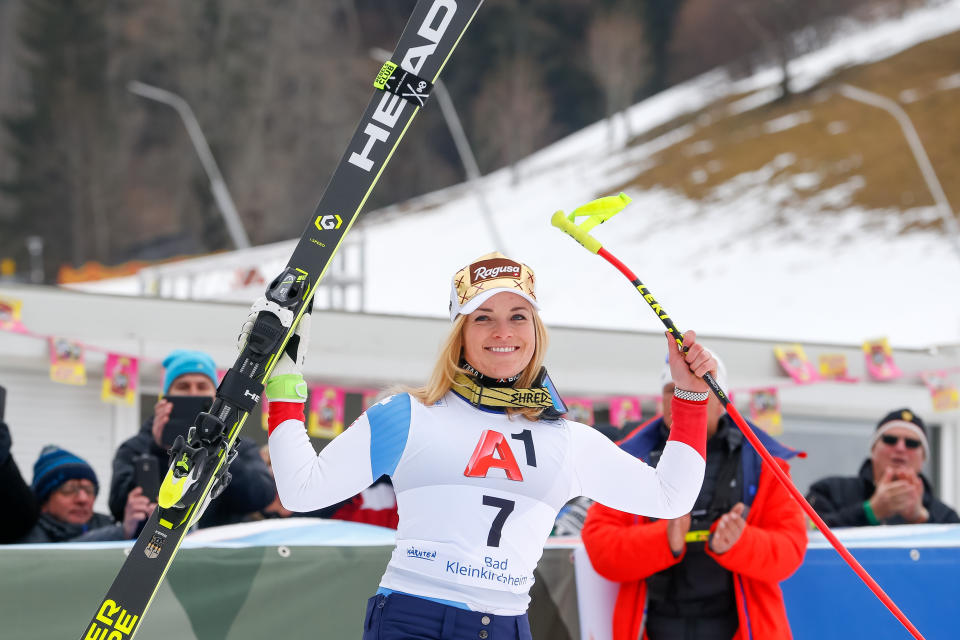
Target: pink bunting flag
120,379
765,410
794,361
66,361
624,409
943,391
326,412
10,315
880,364
833,366
579,409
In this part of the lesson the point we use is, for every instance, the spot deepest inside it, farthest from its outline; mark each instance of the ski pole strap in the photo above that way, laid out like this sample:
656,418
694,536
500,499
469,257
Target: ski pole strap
240,391
408,86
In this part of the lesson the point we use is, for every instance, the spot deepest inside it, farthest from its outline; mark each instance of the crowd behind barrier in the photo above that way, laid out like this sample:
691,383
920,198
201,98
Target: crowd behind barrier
704,575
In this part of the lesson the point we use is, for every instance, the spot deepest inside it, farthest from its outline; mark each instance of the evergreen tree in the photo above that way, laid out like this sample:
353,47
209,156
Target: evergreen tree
57,138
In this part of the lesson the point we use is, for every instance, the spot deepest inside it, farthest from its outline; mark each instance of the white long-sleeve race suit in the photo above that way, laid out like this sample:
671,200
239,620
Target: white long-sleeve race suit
477,491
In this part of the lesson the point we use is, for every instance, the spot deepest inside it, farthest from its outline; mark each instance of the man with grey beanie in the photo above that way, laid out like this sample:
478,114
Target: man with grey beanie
890,487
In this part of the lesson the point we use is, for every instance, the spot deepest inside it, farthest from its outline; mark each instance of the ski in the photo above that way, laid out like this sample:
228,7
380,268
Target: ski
199,463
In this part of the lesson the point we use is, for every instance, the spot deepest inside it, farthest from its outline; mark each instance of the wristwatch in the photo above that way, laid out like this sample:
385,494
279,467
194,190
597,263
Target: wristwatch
695,396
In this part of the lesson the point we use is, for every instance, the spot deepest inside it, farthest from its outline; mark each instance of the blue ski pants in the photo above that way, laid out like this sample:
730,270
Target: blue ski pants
401,617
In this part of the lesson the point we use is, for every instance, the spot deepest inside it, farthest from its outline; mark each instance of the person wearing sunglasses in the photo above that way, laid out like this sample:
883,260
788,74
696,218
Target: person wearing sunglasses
66,486
890,487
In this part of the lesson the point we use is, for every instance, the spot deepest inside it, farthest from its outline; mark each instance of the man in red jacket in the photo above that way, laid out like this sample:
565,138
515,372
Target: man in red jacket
714,573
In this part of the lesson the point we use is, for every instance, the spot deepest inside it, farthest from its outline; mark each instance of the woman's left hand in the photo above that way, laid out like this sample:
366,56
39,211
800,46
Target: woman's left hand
687,369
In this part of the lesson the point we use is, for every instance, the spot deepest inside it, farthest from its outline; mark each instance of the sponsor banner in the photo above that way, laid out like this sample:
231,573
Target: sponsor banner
880,364
794,361
120,379
943,391
10,315
765,410
624,409
833,366
66,361
579,409
326,412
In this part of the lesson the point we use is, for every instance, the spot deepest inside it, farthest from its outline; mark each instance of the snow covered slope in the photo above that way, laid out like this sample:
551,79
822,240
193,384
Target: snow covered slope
716,265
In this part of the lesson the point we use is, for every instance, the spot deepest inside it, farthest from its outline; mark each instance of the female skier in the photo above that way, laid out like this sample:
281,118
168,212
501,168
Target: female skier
481,460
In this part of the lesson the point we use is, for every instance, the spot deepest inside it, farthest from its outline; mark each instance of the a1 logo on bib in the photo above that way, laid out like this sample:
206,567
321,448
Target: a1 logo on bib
493,451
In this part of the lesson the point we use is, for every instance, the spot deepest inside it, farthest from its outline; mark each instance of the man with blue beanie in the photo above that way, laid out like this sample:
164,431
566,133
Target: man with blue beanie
189,378
189,373
65,487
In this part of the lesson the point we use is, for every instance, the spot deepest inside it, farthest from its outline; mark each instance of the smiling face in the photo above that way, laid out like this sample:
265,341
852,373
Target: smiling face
499,338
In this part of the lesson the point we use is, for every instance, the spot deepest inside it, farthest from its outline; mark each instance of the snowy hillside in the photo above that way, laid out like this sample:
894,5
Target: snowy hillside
716,264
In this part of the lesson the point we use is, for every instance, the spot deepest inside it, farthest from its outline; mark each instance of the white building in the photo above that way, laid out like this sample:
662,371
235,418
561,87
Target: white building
831,421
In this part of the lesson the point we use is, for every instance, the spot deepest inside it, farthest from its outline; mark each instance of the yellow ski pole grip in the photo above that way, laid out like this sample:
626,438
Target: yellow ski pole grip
561,222
596,212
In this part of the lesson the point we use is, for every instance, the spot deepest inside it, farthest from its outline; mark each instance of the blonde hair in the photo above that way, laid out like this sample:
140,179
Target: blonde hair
448,366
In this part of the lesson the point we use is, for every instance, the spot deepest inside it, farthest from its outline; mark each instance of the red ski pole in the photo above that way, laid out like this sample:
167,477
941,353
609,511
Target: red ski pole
601,210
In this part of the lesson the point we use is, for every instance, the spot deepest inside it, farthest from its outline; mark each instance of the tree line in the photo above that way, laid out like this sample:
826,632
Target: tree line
101,174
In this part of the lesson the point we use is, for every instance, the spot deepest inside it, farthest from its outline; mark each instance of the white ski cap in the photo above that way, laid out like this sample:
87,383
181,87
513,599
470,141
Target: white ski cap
487,276
667,378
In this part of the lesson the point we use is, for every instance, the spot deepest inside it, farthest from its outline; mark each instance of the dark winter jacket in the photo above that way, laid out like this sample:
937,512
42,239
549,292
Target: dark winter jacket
250,490
49,529
839,500
19,505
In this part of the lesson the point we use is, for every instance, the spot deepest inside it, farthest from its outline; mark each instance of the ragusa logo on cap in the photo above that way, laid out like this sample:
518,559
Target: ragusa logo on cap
492,269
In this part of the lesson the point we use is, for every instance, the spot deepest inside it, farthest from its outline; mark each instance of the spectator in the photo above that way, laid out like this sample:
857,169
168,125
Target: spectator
65,487
191,374
19,505
714,572
890,488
